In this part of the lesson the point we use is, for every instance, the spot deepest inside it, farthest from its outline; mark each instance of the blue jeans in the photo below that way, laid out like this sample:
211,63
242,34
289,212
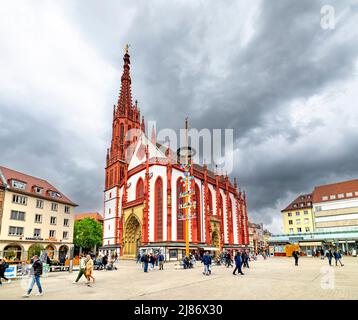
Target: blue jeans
206,269
145,266
33,280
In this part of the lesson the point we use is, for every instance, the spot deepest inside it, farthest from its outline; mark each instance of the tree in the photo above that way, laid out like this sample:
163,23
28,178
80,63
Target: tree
87,233
35,250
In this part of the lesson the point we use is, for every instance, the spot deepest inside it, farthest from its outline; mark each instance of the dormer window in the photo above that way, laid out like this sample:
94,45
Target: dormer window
295,205
37,189
18,184
54,194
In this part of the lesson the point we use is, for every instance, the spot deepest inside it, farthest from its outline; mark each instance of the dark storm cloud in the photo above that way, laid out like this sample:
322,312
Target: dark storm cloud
30,145
225,69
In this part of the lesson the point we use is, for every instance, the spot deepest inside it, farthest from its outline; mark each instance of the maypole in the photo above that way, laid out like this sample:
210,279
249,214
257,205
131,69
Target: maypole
187,191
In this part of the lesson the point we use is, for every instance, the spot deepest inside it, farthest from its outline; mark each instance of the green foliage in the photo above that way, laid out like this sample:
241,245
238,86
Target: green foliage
87,233
35,249
9,254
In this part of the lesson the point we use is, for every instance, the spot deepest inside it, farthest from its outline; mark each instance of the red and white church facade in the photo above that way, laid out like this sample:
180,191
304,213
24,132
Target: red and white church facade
141,198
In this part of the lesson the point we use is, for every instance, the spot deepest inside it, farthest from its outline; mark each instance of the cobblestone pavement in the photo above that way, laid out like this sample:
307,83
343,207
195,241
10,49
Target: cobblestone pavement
273,278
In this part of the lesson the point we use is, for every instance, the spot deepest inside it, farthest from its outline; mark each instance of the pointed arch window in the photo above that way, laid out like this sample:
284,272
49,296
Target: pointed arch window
158,210
140,189
121,133
180,222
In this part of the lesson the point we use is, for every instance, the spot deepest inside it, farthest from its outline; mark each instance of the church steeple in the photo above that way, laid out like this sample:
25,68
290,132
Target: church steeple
125,96
125,118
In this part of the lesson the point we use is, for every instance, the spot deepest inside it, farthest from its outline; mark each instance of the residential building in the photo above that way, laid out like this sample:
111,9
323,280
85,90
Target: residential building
297,216
32,211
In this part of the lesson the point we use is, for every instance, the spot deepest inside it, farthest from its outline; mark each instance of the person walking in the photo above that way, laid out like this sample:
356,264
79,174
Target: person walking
151,261
245,259
295,255
338,257
329,256
89,270
35,272
238,264
161,261
207,262
82,268
145,260
139,257
322,253
3,266
228,260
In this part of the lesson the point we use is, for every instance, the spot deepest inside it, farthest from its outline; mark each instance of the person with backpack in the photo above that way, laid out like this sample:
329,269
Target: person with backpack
3,266
36,272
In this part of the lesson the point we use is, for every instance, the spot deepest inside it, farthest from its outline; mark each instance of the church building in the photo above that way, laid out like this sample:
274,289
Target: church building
143,182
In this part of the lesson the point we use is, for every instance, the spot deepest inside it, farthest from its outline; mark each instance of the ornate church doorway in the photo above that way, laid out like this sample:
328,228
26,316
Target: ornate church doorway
132,237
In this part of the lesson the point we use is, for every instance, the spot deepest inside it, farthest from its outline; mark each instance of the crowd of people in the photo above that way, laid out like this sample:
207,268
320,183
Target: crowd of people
328,253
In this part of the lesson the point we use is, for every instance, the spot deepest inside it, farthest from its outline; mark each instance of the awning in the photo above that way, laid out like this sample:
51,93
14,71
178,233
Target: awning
309,244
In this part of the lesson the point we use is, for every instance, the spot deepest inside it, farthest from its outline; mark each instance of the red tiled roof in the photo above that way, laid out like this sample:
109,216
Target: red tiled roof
301,199
31,181
93,215
335,189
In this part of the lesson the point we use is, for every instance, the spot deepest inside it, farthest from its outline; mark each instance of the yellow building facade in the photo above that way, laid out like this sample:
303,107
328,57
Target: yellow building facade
298,217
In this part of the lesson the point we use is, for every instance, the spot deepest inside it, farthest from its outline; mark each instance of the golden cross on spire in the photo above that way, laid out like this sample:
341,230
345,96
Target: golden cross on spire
126,47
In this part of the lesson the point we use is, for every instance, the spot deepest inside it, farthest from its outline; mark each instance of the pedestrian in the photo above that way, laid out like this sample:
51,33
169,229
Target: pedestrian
151,261
89,270
145,260
245,259
139,257
329,255
322,253
35,272
238,264
228,260
105,261
295,255
3,266
207,262
82,267
338,257
161,261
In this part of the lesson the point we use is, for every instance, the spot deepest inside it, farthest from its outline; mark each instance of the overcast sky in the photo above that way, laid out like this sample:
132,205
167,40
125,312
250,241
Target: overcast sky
267,69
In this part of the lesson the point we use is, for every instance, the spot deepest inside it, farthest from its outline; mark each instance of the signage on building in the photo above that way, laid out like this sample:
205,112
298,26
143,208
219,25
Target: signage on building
34,238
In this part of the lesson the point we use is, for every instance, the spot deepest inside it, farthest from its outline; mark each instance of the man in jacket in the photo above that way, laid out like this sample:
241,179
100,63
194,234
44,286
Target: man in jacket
329,256
145,260
207,262
161,261
82,267
338,257
36,272
238,263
